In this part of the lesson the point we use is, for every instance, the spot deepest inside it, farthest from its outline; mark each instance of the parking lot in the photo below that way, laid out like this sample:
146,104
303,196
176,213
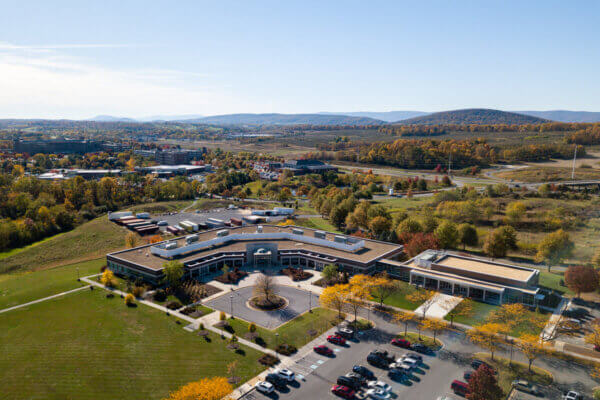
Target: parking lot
583,312
201,216
316,374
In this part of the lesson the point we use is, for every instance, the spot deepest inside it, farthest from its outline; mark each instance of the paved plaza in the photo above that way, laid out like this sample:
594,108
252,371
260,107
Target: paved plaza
299,302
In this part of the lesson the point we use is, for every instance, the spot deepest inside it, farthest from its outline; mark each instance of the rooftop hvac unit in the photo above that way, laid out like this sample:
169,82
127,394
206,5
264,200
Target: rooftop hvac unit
191,238
223,232
171,246
259,229
320,234
423,263
297,231
340,239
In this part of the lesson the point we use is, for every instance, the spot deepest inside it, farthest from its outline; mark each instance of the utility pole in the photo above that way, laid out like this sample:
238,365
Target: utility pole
574,158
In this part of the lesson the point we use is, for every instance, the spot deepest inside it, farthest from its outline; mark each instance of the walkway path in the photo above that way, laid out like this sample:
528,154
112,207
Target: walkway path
44,299
438,306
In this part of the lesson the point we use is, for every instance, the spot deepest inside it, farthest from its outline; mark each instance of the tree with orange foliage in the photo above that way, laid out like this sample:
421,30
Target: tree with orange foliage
335,297
404,318
155,239
205,389
531,346
486,336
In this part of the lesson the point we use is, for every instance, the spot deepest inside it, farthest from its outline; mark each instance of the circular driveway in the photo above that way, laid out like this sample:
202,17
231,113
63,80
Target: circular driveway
298,304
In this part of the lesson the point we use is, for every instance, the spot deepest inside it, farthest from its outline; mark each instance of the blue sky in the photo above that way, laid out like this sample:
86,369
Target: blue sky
138,58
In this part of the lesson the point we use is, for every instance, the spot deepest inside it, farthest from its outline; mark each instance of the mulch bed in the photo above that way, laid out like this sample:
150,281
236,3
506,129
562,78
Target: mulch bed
296,274
232,276
262,304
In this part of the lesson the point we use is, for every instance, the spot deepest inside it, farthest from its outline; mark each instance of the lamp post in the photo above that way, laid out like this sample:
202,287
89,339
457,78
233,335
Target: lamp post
77,268
231,304
276,339
309,301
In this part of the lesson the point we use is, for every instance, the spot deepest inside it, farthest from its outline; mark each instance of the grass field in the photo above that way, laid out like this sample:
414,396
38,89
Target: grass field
86,242
316,223
548,174
509,372
22,287
480,313
398,298
294,332
85,346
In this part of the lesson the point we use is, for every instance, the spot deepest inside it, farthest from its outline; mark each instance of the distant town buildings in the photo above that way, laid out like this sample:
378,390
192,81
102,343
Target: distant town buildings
56,146
271,170
171,170
84,173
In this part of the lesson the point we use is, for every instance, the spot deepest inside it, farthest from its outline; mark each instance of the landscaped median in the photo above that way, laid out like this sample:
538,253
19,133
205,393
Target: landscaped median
413,337
510,371
296,332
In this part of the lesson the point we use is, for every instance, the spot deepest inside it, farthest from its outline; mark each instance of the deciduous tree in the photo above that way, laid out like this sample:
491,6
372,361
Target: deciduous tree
581,279
131,239
433,325
483,385
382,288
173,272
531,346
335,297
404,318
467,235
447,235
265,287
462,309
422,296
554,248
487,336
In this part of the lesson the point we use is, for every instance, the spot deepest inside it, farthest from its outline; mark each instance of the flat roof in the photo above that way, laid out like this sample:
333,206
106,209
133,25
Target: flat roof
485,267
372,249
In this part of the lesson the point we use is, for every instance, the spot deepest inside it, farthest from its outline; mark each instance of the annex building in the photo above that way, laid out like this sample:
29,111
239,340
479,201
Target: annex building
269,246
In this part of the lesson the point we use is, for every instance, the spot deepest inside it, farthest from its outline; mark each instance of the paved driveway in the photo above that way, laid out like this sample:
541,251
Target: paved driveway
298,304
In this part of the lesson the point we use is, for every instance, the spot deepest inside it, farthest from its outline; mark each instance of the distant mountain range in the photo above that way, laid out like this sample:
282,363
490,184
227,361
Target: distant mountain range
467,116
478,116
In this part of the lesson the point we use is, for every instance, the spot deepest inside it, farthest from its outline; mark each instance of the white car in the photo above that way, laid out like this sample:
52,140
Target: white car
379,385
378,394
402,367
286,374
264,387
445,398
572,395
414,363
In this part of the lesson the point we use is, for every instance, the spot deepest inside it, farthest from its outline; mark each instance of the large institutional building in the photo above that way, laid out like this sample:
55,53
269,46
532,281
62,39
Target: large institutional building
261,247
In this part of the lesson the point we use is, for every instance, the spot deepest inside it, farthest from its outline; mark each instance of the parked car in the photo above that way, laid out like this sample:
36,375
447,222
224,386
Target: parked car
415,356
357,377
408,360
346,333
276,380
378,394
379,385
401,343
396,374
467,375
285,374
525,386
377,361
162,223
335,339
264,387
343,391
459,387
346,381
572,395
323,350
421,348
406,369
478,363
383,354
364,371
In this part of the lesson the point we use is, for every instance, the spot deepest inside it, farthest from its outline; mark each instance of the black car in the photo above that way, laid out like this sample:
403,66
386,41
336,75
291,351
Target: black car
421,348
346,333
377,361
276,380
478,363
383,354
347,381
396,374
364,371
467,375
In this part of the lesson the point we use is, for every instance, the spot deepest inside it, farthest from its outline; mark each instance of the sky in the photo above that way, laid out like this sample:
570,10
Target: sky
68,59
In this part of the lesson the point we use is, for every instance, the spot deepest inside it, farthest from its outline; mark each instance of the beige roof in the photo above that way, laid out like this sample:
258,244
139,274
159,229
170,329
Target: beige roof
487,268
372,249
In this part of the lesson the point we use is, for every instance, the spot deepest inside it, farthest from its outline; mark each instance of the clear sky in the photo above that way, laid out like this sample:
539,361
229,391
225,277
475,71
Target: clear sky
138,58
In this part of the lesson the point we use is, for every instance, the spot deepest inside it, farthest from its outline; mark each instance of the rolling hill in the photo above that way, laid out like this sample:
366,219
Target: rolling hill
565,115
477,116
284,119
387,116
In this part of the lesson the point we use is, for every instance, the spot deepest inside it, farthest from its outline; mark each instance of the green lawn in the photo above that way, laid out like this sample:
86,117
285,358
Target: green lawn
398,298
509,372
85,346
22,287
551,280
294,332
88,241
316,223
480,313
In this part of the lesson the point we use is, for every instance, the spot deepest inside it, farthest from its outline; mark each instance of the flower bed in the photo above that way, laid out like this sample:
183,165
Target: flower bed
296,274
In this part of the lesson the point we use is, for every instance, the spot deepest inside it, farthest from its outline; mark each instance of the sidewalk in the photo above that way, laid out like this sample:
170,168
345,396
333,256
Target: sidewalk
438,306
43,299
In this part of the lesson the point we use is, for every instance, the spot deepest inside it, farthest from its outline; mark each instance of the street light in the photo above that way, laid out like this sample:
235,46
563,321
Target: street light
309,301
77,268
231,303
276,338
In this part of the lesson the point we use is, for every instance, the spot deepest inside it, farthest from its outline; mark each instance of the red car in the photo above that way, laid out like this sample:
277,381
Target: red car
401,343
343,391
336,339
460,387
597,348
323,350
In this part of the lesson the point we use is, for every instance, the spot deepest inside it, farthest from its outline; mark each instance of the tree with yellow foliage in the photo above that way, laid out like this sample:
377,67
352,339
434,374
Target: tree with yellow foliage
382,287
462,309
593,337
404,318
129,299
335,297
205,389
531,346
108,278
509,315
131,164
486,336
422,296
433,325
131,239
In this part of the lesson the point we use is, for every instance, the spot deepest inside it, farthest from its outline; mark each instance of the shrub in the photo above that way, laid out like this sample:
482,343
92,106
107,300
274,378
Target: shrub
286,349
222,316
268,360
188,310
129,300
173,305
160,295
138,291
252,327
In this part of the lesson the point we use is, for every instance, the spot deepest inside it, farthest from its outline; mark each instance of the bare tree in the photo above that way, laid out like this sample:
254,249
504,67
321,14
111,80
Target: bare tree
265,287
